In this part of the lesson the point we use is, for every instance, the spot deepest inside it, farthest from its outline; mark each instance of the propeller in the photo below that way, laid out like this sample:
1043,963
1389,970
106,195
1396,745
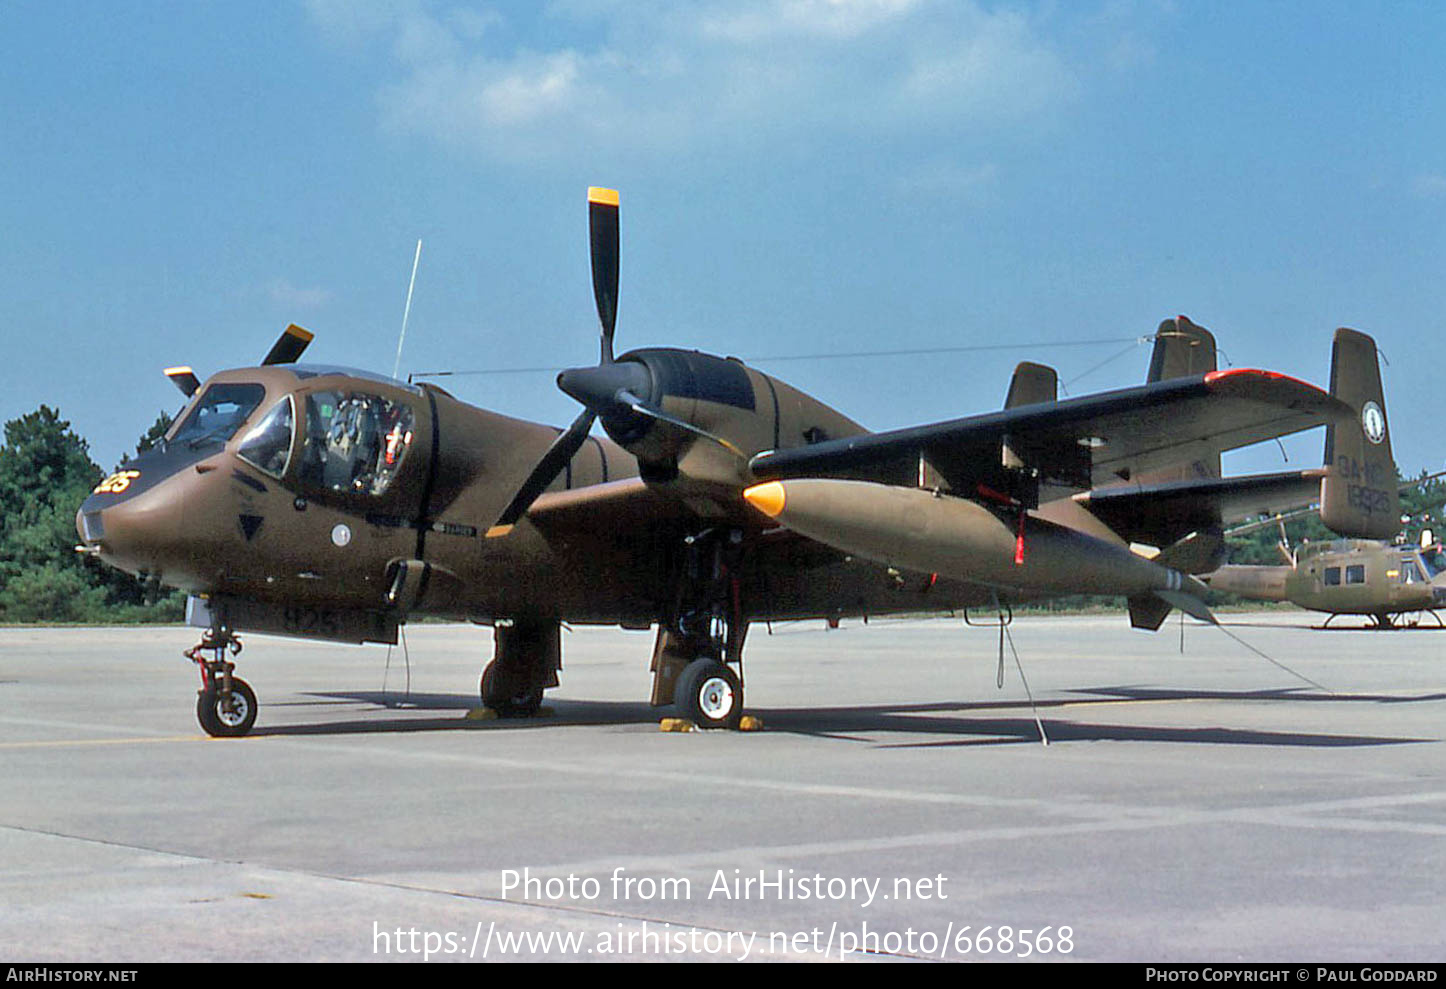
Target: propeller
602,207
609,390
287,348
602,222
185,379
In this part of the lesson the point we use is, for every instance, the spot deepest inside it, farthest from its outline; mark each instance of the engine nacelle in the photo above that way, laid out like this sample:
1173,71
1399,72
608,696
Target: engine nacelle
734,410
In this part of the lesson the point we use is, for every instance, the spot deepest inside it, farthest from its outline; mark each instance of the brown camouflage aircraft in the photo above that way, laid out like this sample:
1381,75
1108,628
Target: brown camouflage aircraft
316,501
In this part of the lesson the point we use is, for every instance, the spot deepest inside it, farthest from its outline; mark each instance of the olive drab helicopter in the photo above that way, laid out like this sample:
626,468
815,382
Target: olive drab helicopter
318,501
1395,584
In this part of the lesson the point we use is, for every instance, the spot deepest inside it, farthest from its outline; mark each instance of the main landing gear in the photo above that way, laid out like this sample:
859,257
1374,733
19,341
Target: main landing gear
698,659
526,660
225,704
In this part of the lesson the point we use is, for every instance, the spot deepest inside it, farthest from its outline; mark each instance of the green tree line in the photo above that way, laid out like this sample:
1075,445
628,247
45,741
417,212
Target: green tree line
1422,500
45,473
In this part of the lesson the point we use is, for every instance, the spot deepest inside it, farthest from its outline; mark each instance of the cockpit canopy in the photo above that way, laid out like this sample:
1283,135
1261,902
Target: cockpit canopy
353,442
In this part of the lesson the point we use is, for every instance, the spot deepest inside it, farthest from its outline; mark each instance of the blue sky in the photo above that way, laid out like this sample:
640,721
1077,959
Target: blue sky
182,179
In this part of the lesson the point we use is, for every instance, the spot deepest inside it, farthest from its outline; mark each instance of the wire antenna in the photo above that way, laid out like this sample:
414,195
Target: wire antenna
1274,662
1004,636
416,259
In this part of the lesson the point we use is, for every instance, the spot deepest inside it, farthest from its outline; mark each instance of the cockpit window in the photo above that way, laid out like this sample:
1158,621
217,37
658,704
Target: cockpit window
268,446
355,443
1410,571
217,414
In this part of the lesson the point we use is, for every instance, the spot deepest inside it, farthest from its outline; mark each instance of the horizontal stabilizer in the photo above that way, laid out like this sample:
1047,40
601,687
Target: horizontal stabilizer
1161,514
1080,442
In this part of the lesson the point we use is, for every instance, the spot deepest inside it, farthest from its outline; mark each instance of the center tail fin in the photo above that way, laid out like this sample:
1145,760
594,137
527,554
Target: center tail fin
1182,349
1359,497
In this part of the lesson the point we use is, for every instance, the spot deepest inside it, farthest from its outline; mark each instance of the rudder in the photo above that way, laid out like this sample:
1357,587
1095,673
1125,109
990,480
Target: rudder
1358,497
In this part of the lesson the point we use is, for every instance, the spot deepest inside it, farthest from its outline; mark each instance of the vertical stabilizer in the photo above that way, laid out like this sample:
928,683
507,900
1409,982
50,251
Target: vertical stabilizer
1182,349
1032,383
1358,496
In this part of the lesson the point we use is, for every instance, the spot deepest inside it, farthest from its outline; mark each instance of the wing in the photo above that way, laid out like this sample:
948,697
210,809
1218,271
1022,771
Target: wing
1082,442
629,507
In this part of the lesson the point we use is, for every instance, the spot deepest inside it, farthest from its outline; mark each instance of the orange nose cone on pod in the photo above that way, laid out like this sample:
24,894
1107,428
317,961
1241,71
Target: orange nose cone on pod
767,498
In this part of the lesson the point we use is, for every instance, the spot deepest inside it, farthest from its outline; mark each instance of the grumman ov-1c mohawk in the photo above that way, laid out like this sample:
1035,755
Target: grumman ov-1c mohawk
315,501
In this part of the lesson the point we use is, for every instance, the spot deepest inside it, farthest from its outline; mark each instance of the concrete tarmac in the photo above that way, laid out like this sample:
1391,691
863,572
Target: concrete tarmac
1208,805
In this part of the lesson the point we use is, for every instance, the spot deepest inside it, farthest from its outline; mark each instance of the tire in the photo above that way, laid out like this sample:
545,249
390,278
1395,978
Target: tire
227,717
709,694
505,697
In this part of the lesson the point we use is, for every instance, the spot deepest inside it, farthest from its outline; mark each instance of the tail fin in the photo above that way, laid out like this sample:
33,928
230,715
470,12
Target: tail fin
1181,349
1358,496
1032,383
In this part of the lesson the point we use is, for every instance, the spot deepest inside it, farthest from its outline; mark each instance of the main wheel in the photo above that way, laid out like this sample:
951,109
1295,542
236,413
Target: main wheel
227,715
709,694
504,695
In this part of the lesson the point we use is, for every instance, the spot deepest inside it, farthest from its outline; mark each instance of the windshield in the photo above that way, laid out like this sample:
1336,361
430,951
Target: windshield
218,413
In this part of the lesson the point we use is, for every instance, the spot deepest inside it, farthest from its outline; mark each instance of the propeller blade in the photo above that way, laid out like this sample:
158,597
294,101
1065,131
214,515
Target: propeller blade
553,461
637,405
602,213
185,379
289,346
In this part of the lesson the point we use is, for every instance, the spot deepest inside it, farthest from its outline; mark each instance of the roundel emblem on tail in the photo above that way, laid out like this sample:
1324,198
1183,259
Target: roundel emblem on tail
1373,421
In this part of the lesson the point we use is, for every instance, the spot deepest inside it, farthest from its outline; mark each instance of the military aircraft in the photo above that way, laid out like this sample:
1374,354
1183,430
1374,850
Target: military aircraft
318,501
1383,580
1346,577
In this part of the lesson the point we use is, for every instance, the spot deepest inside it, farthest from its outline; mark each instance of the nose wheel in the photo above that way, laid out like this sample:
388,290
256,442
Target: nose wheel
227,714
225,704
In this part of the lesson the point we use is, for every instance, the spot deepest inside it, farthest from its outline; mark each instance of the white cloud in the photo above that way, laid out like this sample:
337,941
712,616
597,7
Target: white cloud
949,180
1430,185
649,77
288,296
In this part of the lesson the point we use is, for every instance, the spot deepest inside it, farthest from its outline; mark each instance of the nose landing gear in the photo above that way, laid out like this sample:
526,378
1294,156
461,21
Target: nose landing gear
225,704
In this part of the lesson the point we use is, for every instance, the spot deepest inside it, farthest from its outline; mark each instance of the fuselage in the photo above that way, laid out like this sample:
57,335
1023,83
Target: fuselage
308,486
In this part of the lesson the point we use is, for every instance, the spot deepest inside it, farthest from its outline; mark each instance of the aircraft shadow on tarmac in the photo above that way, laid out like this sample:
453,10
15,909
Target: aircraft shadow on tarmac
967,723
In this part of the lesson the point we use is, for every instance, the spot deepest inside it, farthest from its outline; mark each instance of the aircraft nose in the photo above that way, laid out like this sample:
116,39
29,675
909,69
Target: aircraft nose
130,519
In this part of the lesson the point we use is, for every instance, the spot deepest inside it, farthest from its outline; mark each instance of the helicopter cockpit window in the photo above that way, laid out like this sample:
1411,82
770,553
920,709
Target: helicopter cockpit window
1332,576
217,414
268,446
355,443
1410,571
